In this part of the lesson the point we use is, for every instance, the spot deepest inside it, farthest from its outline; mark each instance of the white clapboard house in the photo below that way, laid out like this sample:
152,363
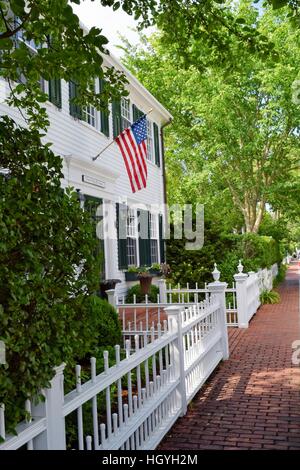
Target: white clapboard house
79,134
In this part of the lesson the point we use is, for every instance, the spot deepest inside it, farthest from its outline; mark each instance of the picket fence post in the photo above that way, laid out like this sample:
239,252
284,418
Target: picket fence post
54,437
241,299
162,291
175,326
218,289
111,296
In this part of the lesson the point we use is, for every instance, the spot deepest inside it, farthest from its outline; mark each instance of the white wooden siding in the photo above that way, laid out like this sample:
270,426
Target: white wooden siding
77,142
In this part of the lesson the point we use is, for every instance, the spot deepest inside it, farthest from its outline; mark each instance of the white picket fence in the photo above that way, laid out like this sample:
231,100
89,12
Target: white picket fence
168,357
144,393
242,301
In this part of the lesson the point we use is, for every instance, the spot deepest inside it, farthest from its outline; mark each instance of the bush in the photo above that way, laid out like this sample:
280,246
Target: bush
44,237
258,251
104,324
136,290
280,276
269,297
254,250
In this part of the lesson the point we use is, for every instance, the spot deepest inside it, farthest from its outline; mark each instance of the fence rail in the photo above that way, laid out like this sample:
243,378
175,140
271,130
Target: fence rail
169,353
242,301
144,393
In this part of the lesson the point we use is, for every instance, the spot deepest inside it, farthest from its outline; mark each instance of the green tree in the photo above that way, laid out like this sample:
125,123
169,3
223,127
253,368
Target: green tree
64,51
235,127
47,268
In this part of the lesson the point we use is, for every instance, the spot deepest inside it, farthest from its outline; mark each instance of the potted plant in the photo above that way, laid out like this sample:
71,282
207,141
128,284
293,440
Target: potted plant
145,278
132,273
155,269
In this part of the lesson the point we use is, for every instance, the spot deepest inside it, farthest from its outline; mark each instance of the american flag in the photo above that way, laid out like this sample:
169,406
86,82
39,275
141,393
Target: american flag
132,143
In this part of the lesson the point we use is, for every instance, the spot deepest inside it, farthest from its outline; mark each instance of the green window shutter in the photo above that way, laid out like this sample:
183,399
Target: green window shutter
92,207
156,144
136,113
116,115
162,246
144,238
104,115
121,234
55,91
75,109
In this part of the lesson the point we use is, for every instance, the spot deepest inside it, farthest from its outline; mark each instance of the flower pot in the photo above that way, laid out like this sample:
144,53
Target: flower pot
131,276
155,272
145,283
107,285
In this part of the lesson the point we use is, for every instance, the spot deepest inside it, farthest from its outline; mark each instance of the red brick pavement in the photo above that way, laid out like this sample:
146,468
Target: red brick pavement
252,401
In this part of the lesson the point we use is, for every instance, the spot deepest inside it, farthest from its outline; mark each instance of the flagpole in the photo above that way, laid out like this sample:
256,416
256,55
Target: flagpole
110,143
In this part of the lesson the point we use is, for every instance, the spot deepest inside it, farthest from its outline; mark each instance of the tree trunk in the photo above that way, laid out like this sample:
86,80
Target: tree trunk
253,215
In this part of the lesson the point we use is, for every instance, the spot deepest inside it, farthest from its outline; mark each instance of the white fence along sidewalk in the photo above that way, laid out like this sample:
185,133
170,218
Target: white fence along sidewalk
145,393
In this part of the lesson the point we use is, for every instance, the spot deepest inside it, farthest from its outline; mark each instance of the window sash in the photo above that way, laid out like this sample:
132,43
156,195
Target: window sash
125,114
154,251
153,227
150,151
131,224
131,246
89,115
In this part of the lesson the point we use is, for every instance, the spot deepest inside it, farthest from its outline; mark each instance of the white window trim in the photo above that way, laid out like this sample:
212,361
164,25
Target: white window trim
134,236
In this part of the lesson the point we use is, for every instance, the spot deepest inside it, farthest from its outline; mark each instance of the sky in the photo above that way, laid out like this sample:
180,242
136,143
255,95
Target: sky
111,22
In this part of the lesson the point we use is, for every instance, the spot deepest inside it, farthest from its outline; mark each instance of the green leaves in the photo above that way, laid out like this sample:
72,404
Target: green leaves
18,7
44,235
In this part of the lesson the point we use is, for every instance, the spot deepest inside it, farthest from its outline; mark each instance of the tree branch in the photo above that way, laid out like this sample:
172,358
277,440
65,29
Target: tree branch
11,32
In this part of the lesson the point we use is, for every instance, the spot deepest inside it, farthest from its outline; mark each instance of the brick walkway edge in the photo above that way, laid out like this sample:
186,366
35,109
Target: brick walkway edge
252,401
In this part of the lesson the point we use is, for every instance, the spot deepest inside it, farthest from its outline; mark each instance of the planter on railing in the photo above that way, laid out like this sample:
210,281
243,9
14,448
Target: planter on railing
131,276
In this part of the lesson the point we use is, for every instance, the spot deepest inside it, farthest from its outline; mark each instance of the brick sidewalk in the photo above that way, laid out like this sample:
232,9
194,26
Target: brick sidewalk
252,401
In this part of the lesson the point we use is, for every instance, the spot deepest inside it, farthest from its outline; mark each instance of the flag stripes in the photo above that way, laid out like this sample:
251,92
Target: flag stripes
132,144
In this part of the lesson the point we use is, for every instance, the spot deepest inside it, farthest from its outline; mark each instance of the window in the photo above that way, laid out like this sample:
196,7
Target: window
125,113
89,115
131,244
89,112
140,237
32,47
154,239
20,37
150,154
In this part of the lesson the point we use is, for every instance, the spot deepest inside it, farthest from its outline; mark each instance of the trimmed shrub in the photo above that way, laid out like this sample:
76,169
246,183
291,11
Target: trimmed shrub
136,290
104,324
254,250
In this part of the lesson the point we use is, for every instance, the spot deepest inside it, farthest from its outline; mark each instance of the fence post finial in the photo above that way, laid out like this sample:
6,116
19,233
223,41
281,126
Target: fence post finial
216,273
240,267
